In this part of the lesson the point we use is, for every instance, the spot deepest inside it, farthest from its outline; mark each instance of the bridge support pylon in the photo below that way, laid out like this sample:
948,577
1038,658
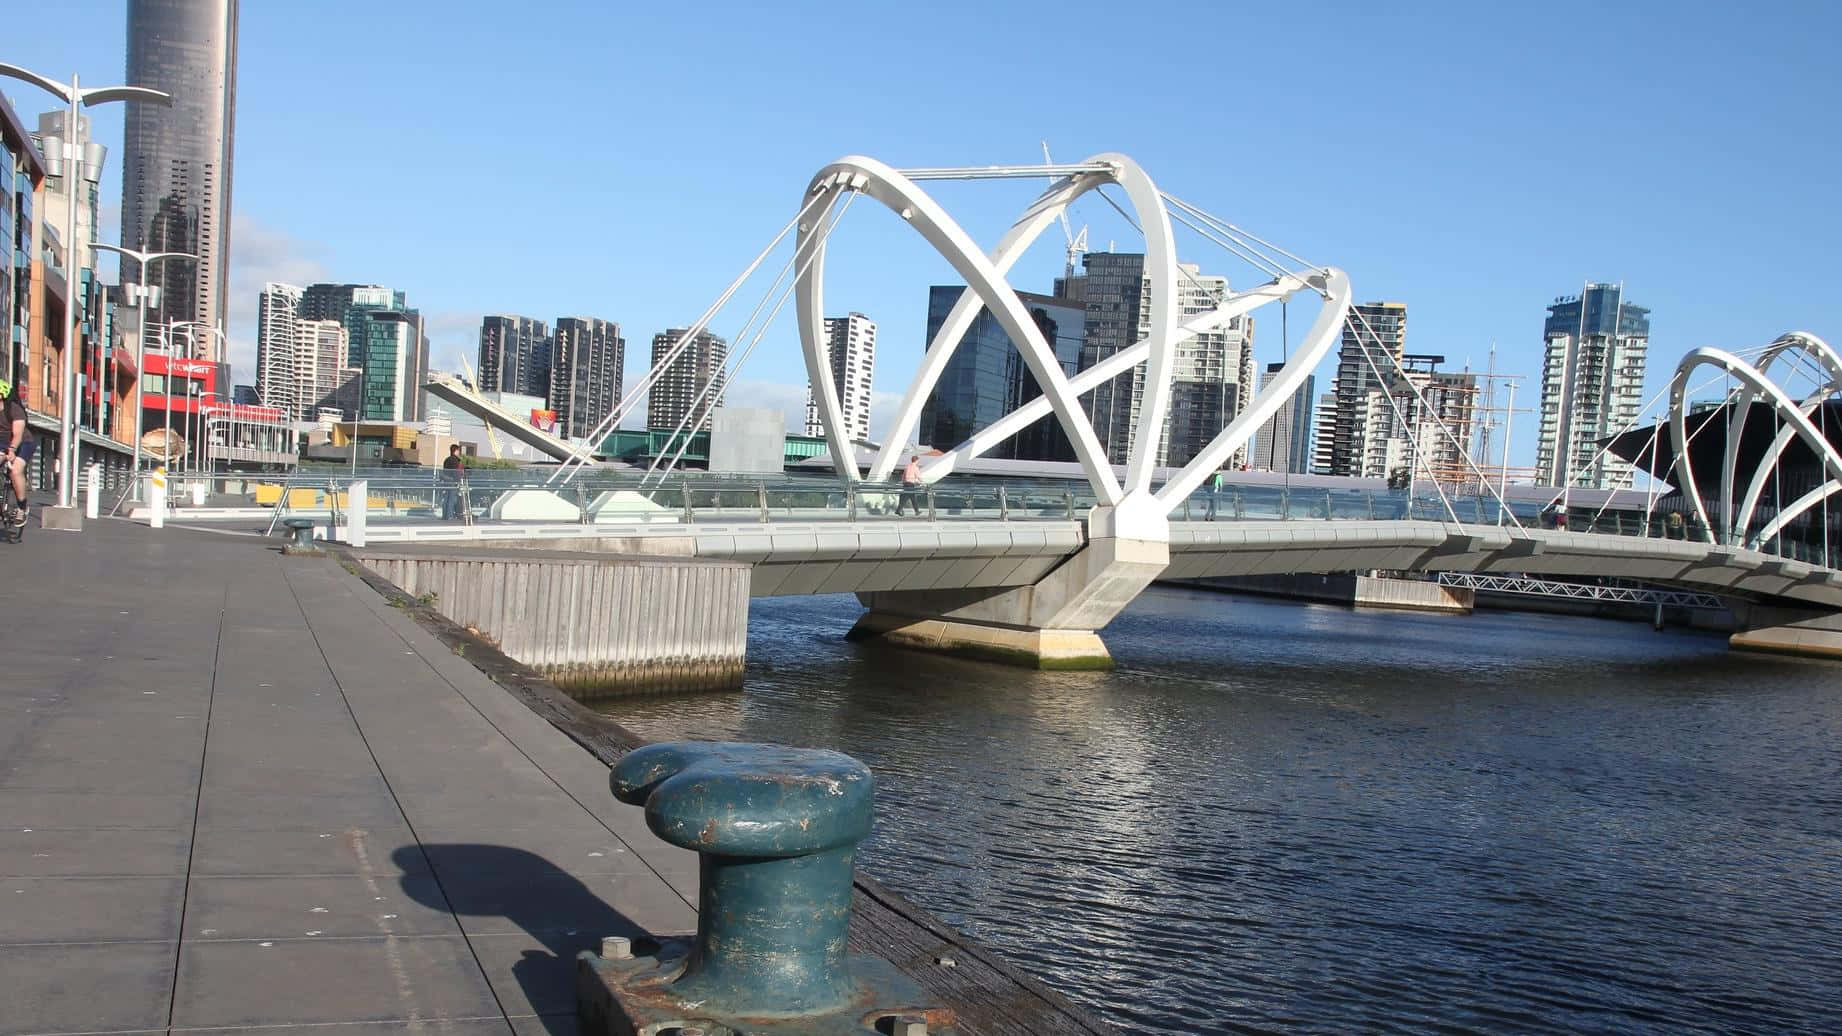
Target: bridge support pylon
1788,631
1052,624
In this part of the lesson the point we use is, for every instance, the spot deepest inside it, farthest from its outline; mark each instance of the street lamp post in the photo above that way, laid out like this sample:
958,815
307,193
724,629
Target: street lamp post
70,162
358,409
146,292
190,329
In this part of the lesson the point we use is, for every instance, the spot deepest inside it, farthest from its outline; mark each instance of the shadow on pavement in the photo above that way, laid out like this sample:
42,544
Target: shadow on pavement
551,905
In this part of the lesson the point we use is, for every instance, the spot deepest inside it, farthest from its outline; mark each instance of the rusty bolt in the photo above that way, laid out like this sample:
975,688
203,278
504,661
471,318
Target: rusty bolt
615,947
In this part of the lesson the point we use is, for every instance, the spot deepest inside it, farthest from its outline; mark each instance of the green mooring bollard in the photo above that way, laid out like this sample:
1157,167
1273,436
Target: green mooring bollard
302,529
776,832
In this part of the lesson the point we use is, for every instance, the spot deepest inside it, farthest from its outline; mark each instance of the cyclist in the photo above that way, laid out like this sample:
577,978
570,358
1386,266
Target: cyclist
16,443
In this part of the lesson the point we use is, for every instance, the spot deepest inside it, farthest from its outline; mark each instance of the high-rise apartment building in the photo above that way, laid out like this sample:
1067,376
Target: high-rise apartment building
386,354
515,356
277,340
321,355
683,383
586,357
1392,413
1284,441
986,377
379,374
850,343
177,162
1212,373
1592,386
1374,340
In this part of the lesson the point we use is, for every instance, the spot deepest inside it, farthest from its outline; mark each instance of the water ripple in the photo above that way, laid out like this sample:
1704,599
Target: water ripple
1297,818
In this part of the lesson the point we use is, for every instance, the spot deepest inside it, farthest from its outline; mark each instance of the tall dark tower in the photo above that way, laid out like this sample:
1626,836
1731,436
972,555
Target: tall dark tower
176,166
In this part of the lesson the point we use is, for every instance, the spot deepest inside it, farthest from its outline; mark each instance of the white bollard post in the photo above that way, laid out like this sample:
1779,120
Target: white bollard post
156,497
92,507
357,500
198,492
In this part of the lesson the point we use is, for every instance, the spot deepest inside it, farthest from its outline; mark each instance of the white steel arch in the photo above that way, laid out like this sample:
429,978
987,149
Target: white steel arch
1129,508
1756,385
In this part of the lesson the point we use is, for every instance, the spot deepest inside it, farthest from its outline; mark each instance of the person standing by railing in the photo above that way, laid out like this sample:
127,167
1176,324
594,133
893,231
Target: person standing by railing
911,487
453,473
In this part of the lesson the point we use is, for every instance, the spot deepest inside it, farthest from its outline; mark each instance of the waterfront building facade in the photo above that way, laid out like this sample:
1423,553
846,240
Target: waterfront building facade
515,356
681,386
22,177
586,358
986,378
1283,443
1592,386
176,171
850,342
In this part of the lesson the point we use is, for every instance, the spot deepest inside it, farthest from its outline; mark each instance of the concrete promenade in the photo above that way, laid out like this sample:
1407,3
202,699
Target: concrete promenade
239,789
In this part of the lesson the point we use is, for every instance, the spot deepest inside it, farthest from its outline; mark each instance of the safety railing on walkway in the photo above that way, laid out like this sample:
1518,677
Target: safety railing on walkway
427,496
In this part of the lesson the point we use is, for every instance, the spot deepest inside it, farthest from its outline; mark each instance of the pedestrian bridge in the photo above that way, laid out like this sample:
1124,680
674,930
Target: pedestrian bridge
1019,570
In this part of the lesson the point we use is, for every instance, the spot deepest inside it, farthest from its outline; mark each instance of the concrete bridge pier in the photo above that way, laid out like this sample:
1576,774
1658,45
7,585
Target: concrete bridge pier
1051,624
1789,631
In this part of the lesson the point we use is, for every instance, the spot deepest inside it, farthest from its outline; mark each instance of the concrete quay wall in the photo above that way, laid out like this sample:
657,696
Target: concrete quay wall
594,624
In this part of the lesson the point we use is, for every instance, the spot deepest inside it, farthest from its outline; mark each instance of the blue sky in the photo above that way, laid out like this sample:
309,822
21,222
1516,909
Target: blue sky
1474,161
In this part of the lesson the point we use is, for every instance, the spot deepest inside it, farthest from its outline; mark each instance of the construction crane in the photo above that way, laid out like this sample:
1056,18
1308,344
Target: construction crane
1077,243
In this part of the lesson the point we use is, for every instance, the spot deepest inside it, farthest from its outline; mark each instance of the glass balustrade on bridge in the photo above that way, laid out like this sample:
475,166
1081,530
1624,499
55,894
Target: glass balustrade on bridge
425,496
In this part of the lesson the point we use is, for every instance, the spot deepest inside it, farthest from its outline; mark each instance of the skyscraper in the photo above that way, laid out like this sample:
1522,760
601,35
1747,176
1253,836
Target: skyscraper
515,356
850,341
1592,386
1284,441
1374,340
177,161
1212,376
986,377
1392,413
386,352
684,380
322,350
380,376
277,341
586,357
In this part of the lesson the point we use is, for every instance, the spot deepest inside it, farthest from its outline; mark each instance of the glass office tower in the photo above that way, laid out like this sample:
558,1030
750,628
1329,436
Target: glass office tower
176,165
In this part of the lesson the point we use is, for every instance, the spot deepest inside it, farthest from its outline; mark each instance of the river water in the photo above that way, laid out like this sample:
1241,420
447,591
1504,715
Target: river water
1290,817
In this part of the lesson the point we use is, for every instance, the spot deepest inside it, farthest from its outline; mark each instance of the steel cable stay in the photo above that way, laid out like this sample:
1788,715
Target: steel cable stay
1395,405
1464,454
566,471
747,326
1246,249
1240,231
729,370
1187,275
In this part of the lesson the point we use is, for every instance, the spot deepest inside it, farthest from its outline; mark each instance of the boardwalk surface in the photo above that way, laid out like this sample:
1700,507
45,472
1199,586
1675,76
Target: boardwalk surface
240,790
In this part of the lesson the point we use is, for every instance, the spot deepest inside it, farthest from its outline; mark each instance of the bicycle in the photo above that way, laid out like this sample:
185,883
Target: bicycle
12,510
